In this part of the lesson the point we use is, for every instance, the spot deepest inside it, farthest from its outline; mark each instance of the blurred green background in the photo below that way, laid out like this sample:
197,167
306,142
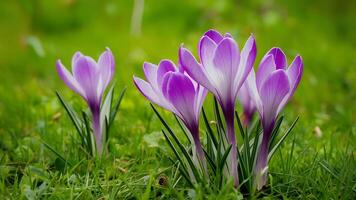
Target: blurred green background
35,33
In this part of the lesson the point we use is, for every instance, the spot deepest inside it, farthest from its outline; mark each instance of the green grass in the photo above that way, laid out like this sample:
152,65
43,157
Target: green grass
33,37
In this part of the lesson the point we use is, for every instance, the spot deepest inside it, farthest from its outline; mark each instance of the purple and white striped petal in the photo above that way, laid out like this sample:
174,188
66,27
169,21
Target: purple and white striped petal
214,35
248,56
106,65
226,60
193,68
279,57
146,90
163,67
295,72
150,71
206,49
180,92
273,91
68,79
85,71
266,67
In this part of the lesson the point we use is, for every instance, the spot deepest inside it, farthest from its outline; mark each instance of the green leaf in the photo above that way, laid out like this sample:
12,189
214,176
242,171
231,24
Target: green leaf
275,132
184,168
72,114
116,107
180,145
275,147
224,157
184,130
90,139
106,106
209,129
56,153
256,141
210,161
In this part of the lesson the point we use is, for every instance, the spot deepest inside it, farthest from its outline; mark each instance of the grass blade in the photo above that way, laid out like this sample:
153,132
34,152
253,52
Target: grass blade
275,147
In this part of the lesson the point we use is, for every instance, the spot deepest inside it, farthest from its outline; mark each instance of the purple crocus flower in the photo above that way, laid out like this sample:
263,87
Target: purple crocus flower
174,90
271,88
222,70
89,79
247,103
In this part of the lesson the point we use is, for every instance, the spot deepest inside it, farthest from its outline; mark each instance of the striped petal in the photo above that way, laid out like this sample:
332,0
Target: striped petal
279,57
106,64
193,68
68,79
214,35
85,71
266,67
273,91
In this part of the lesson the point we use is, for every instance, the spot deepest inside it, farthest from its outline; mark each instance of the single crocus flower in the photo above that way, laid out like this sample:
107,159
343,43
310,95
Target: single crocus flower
222,70
271,88
89,79
247,103
175,91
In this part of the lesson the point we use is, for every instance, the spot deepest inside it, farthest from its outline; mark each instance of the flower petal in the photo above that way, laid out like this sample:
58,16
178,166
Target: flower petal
295,72
163,67
273,90
147,91
226,59
193,68
279,57
68,79
85,71
106,64
266,67
201,93
76,56
180,92
150,71
253,91
206,50
247,59
214,35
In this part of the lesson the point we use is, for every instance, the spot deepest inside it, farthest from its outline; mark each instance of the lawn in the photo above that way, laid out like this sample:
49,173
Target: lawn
317,160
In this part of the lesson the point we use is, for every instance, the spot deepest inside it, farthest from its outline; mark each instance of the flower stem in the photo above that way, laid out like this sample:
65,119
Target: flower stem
261,168
230,128
199,153
97,128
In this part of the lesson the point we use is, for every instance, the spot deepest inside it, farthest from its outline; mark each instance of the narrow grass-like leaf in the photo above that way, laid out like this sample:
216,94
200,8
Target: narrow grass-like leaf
182,127
180,145
56,153
275,147
209,129
72,114
210,161
91,148
224,157
275,132
220,125
246,150
106,106
184,169
256,141
116,106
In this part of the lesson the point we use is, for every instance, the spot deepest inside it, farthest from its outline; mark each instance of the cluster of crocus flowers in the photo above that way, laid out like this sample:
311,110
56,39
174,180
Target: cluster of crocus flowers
89,79
229,75
171,88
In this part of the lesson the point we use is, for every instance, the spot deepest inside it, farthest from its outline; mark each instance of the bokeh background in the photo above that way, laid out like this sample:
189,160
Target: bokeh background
35,33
